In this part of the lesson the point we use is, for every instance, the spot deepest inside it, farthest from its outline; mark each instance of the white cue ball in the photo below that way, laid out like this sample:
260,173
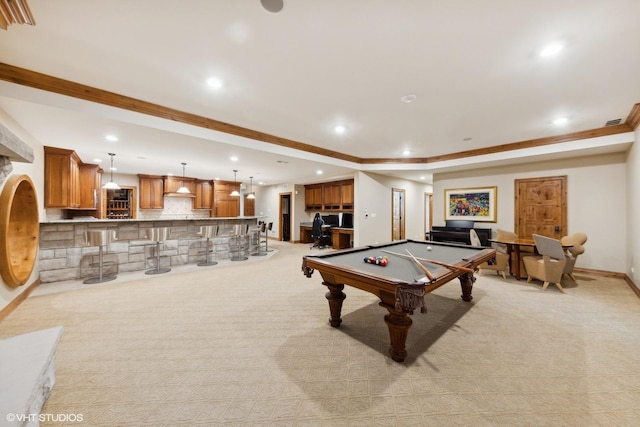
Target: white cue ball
428,248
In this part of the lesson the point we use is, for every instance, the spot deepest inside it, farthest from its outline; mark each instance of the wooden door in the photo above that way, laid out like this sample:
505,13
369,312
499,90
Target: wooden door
397,214
541,207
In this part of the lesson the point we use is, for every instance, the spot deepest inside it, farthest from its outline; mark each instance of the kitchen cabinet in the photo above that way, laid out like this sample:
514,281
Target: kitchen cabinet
90,178
151,192
249,206
204,194
313,197
336,196
225,205
61,178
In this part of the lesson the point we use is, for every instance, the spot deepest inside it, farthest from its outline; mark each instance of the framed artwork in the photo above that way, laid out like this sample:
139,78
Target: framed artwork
471,204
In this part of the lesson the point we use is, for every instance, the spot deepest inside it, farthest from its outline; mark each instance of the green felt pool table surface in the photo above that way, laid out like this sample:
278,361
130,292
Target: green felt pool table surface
402,283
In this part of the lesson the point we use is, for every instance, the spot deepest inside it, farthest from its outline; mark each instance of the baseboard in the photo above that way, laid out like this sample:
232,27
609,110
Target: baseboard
622,276
18,300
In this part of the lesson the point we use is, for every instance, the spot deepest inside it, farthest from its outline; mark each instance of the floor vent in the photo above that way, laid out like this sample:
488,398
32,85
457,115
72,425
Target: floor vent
613,122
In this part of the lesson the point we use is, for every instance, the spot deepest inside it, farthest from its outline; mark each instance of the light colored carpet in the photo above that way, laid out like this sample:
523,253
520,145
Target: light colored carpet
248,344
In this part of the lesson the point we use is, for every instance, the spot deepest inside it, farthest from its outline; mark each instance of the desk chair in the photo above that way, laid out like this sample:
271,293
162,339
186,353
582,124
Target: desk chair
319,233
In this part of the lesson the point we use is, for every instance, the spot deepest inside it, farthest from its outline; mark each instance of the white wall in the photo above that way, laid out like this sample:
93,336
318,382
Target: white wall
373,192
35,171
632,261
597,194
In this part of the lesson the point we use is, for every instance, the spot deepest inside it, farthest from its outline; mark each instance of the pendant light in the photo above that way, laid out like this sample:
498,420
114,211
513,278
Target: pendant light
111,185
251,194
183,189
235,192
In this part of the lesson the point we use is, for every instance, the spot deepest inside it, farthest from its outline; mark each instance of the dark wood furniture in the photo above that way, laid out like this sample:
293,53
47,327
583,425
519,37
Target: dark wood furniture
458,232
401,284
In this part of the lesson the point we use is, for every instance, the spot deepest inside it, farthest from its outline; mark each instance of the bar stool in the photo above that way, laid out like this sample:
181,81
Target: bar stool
208,232
262,228
158,235
266,238
238,236
100,238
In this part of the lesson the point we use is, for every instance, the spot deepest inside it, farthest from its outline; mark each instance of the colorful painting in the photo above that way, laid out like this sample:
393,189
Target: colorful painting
471,204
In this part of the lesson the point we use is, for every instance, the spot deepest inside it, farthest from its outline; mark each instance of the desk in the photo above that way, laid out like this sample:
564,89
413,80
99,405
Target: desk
400,285
340,237
513,247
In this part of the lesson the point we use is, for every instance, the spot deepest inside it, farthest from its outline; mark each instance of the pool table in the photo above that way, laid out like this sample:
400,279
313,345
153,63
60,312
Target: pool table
401,284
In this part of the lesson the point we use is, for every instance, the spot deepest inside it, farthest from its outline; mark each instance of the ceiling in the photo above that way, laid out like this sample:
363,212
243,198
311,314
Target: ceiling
474,68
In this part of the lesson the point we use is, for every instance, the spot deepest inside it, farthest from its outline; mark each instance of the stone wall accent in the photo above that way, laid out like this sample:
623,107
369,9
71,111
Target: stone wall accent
64,255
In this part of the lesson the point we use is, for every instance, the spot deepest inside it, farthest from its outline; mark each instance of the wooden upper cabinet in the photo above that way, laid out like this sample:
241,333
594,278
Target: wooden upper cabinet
346,196
61,178
330,196
313,196
151,192
225,205
204,194
90,183
249,206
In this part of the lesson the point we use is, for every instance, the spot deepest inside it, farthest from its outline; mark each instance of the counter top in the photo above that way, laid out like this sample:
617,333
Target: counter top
111,221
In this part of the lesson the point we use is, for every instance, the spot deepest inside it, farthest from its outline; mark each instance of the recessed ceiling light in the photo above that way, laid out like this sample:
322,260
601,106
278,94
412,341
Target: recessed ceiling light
111,138
551,49
215,83
319,172
97,160
273,6
340,129
408,99
423,177
233,158
560,121
406,152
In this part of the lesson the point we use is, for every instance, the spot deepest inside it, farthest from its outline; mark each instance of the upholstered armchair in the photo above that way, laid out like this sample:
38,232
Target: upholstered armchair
500,264
549,267
576,242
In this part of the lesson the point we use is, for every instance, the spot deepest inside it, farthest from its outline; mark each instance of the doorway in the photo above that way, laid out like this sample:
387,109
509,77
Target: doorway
285,217
428,214
541,207
397,214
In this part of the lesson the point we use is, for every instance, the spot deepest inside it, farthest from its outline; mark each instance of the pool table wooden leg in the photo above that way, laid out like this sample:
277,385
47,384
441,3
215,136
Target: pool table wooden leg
399,324
466,283
335,296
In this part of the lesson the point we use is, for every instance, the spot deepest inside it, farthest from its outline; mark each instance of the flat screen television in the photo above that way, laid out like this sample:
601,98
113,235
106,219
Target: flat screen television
347,220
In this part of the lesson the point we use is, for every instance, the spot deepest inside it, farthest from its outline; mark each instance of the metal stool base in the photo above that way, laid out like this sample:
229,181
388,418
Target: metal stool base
239,258
97,279
206,263
158,270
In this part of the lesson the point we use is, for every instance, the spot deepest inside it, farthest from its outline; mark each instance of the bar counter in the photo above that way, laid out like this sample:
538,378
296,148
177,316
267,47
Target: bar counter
65,255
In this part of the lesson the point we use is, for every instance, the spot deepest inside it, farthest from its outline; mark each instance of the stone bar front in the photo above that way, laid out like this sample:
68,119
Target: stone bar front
64,254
